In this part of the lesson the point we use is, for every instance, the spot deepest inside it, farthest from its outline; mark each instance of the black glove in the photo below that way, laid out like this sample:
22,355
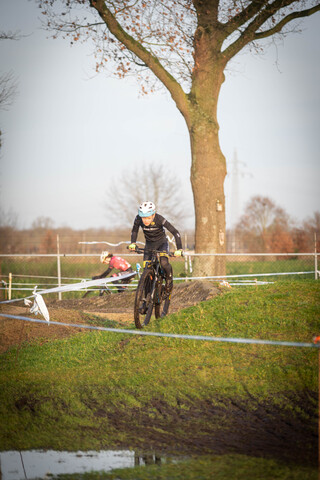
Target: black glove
96,278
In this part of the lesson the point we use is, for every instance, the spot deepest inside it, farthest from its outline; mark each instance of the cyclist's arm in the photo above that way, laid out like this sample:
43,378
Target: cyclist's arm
135,229
104,274
175,233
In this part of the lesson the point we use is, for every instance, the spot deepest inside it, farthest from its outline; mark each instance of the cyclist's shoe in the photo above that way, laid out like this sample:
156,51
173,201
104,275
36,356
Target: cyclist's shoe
121,289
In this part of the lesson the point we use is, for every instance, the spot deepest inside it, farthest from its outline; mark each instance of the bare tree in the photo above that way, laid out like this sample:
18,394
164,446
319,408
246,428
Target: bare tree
9,241
311,229
265,227
186,46
48,243
8,218
152,183
42,223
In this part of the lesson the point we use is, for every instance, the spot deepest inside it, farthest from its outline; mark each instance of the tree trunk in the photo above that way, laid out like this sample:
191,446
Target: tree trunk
208,172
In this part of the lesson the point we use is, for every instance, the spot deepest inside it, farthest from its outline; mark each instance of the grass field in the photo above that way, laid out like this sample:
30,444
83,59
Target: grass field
98,390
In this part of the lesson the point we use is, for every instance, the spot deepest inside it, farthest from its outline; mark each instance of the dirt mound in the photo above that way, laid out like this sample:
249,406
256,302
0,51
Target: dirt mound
183,295
18,332
115,306
190,293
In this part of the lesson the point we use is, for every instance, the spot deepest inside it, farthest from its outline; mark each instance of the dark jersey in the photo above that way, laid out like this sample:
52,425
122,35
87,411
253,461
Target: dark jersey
155,233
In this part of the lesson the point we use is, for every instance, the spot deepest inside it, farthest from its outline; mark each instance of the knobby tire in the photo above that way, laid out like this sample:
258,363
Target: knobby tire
142,318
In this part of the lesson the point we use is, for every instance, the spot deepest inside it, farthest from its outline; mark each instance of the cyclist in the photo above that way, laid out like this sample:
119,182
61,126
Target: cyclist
153,226
115,262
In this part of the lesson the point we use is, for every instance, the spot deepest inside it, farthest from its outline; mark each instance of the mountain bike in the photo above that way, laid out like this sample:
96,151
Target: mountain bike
103,290
117,283
150,294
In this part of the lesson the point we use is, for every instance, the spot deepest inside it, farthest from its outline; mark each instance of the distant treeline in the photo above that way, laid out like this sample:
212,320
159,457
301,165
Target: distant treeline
44,241
263,228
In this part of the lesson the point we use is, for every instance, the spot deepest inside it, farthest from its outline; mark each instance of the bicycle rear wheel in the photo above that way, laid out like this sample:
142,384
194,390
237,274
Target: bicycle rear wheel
161,307
143,304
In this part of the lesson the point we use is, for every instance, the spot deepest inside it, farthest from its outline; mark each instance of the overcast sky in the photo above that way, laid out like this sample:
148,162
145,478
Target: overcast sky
70,133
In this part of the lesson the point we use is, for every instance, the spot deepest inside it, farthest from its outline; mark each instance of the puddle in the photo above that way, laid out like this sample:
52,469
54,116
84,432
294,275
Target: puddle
40,464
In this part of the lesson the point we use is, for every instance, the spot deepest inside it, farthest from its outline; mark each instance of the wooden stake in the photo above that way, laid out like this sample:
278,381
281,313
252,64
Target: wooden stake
10,285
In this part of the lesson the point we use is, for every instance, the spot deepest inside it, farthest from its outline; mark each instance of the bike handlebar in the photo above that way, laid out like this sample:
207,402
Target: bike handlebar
143,250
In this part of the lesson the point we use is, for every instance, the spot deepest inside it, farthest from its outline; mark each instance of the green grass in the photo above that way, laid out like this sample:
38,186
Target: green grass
272,266
235,467
99,390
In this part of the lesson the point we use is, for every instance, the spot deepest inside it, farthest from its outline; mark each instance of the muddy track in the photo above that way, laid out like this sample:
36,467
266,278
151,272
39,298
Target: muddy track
224,426
116,307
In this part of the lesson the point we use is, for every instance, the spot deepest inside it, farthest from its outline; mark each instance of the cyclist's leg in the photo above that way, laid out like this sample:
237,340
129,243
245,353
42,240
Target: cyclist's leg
124,280
167,268
147,254
118,282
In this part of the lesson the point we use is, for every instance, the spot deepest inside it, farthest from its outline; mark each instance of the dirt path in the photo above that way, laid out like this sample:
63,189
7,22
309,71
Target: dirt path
116,307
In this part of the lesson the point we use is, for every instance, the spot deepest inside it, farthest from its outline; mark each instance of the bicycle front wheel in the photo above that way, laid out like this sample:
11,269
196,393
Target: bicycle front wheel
143,304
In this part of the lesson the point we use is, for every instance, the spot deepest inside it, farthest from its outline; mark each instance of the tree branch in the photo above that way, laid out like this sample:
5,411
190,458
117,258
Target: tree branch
293,16
147,58
250,12
10,36
250,33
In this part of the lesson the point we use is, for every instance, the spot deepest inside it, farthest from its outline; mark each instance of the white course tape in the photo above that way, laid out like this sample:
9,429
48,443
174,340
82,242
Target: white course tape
85,284
170,335
244,275
108,243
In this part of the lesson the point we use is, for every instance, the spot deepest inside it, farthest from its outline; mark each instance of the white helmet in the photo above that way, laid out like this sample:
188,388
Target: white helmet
146,209
104,255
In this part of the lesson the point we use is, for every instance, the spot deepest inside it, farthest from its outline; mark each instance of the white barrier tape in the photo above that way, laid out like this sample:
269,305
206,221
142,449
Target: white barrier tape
78,286
30,289
169,335
16,299
26,284
40,276
243,275
86,284
311,254
242,284
108,243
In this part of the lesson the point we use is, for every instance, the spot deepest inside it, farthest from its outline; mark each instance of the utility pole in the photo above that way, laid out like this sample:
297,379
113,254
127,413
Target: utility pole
235,196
